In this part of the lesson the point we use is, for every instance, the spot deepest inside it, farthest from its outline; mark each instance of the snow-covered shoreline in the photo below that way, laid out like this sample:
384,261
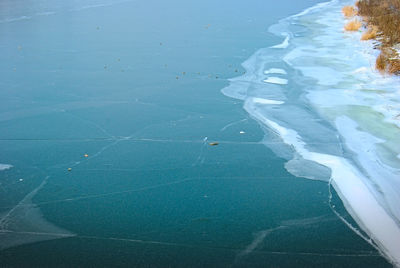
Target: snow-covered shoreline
335,110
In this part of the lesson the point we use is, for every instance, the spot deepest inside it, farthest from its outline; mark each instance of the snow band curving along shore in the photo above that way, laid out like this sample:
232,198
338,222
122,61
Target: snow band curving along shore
335,118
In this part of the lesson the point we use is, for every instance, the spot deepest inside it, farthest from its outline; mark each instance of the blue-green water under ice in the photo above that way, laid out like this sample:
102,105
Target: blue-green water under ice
136,85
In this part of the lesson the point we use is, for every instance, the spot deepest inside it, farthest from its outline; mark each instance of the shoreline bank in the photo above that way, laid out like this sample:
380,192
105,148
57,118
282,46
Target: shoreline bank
335,110
379,21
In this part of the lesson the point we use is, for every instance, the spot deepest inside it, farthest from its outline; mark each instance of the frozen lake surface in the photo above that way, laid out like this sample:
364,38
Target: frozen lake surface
107,112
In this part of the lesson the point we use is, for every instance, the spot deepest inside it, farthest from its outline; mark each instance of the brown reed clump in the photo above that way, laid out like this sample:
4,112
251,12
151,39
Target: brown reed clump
381,63
385,15
394,67
371,33
388,61
349,11
353,25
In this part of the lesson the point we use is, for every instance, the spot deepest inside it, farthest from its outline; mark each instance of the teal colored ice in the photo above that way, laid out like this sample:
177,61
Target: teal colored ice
108,110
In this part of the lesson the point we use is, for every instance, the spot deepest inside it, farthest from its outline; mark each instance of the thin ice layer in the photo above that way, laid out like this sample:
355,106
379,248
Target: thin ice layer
343,115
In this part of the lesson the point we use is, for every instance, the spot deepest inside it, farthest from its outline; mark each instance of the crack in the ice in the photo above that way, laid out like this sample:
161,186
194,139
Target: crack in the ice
164,243
201,158
4,220
84,197
369,240
232,124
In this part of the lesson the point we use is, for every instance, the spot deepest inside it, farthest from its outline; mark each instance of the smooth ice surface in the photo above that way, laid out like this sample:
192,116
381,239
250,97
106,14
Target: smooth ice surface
355,193
353,112
107,113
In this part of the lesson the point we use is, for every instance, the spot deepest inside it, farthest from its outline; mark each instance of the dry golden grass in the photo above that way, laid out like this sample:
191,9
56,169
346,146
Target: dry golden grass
349,11
381,63
394,67
353,25
388,62
384,16
371,33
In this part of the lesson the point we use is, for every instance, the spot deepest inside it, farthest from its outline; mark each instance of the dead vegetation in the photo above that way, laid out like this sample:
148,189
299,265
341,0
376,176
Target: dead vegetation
349,11
385,16
381,18
381,62
388,62
353,25
371,33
